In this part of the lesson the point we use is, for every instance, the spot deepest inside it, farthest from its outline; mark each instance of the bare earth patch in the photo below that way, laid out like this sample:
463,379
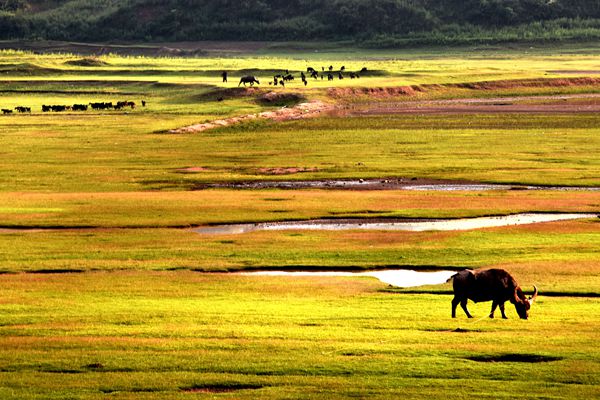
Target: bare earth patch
303,110
285,170
192,170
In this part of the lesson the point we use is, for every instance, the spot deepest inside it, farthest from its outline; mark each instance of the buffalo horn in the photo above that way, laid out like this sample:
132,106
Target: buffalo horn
535,293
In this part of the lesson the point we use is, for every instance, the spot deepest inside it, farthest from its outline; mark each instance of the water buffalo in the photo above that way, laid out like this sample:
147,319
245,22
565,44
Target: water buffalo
248,79
494,285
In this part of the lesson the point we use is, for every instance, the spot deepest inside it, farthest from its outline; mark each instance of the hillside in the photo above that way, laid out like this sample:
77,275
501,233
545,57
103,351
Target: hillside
374,22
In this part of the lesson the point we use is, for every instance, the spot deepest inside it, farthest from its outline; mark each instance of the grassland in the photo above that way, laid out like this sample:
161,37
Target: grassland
165,335
106,291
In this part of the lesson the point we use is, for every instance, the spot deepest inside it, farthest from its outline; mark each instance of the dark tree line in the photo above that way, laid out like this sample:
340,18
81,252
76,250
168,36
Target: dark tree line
93,20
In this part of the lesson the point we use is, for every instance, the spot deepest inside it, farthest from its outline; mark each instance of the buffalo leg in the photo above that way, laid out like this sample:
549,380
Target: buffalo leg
463,304
455,302
502,311
494,305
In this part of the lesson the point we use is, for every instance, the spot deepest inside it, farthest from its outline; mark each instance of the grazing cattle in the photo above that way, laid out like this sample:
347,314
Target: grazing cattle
363,69
59,108
101,106
310,70
23,109
329,77
248,79
143,103
340,76
121,104
288,77
314,74
79,107
494,285
46,108
343,68
331,68
282,83
354,75
6,111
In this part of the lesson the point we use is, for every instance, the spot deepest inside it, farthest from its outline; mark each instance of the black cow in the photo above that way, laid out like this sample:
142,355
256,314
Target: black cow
494,285
6,111
23,109
248,79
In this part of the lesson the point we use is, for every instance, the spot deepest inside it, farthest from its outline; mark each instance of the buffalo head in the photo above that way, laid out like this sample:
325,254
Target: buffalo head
522,303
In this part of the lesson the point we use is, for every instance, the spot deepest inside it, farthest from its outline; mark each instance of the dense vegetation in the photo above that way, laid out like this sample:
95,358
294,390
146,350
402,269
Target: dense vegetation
375,22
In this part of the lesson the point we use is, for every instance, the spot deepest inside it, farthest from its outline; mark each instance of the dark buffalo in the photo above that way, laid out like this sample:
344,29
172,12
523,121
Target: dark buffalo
248,79
494,285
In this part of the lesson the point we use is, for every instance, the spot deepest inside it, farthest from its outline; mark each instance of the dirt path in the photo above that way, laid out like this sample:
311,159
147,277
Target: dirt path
303,110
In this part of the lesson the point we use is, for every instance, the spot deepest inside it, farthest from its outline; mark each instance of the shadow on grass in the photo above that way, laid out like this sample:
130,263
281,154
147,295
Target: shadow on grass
220,388
514,357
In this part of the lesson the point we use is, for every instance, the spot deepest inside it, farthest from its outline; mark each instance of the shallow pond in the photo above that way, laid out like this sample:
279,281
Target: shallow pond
394,277
402,225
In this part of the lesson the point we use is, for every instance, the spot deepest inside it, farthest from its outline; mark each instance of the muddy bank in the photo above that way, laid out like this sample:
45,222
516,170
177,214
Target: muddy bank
413,225
394,277
403,91
378,184
556,104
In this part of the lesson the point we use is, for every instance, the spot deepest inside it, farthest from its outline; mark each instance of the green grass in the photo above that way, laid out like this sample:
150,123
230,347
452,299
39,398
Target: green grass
148,335
543,253
140,321
105,152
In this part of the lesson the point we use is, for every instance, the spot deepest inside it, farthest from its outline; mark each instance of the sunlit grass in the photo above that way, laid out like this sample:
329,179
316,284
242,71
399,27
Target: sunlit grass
154,334
137,322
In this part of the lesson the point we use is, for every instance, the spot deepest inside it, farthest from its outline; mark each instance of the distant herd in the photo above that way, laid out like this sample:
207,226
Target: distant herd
119,105
278,79
286,76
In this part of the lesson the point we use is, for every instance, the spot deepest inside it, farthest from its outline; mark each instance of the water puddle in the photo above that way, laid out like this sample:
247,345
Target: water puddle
416,225
388,184
394,277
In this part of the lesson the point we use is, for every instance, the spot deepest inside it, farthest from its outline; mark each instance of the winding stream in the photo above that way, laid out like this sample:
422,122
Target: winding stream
415,225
